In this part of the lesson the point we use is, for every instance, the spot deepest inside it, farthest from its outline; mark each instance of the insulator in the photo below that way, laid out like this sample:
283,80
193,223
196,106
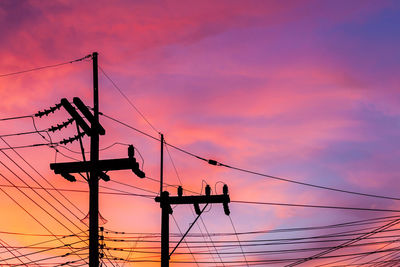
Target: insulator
136,168
212,162
131,151
68,176
60,126
226,208
197,208
225,189
180,191
104,176
208,190
72,139
47,111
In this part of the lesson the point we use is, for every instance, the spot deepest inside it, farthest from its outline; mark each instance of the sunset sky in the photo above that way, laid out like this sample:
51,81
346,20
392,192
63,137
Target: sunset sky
307,91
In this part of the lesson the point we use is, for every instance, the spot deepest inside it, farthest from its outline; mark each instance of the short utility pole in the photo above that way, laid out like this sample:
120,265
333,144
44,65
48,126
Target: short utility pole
166,201
94,167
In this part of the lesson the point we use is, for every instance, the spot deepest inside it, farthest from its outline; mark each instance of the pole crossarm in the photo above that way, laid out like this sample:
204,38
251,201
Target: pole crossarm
195,199
86,166
89,116
75,115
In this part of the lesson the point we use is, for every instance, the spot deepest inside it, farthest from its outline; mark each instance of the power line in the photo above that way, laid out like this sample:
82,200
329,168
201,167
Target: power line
48,241
184,241
12,252
120,193
22,133
52,257
135,187
27,196
28,146
48,192
30,214
45,67
321,254
264,252
278,230
216,163
237,237
264,261
37,183
16,118
45,250
191,210
129,126
312,206
127,99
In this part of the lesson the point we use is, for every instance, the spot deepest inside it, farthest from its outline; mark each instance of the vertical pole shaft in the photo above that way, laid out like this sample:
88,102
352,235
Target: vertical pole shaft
93,179
164,229
164,203
162,164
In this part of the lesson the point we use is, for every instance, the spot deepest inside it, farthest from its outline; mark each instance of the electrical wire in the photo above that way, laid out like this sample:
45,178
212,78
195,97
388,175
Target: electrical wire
282,230
45,67
127,99
12,253
39,195
215,163
184,241
237,237
46,180
79,191
321,254
193,213
15,118
45,242
52,257
22,133
135,187
47,249
28,146
312,206
33,201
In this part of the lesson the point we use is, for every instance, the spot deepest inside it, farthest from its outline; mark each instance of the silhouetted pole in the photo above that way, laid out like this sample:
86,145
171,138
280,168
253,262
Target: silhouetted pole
165,203
162,164
93,179
97,168
165,211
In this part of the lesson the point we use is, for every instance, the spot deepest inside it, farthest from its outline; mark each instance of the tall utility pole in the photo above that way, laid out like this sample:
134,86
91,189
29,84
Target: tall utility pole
94,167
166,201
93,179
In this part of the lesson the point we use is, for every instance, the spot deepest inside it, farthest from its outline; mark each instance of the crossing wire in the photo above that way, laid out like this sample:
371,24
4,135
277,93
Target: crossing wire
30,214
237,237
45,250
12,252
45,242
321,254
46,180
37,193
40,196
